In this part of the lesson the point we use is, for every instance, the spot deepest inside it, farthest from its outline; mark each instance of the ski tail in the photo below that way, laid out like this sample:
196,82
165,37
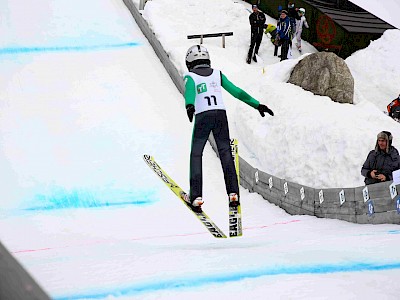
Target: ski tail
235,213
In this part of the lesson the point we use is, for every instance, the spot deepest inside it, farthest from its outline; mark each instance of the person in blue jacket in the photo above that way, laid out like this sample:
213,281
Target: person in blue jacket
284,32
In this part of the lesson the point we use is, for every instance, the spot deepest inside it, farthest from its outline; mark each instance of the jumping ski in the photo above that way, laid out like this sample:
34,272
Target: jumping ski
235,212
202,216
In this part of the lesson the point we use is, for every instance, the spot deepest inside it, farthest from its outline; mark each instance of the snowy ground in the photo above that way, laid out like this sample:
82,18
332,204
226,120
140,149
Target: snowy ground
311,140
83,97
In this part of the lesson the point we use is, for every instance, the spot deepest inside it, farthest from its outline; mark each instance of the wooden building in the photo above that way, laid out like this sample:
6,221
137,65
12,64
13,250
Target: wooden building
335,25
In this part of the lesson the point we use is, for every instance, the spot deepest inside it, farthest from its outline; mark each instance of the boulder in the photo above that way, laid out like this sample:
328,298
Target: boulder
325,74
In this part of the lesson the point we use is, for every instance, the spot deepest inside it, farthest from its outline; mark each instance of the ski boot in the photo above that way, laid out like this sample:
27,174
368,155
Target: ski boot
248,60
255,58
195,205
234,200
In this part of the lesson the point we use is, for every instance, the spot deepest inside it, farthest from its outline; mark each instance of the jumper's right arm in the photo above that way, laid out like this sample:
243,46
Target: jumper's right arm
190,96
190,90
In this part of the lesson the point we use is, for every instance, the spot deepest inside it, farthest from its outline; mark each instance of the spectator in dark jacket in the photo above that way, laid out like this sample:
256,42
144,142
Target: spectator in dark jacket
284,32
276,42
382,161
293,16
257,21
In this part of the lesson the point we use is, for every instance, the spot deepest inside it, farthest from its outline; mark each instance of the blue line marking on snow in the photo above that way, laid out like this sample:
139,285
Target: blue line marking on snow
61,198
192,282
378,233
23,50
107,204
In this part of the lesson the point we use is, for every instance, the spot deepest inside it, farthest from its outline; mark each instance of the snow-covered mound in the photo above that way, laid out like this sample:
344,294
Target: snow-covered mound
376,69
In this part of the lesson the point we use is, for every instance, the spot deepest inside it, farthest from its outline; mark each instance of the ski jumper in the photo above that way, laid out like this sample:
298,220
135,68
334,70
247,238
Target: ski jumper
203,90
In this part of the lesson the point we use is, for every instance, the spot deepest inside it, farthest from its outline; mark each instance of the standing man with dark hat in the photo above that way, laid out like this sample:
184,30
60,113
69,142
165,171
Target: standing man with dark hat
382,161
204,104
257,21
293,15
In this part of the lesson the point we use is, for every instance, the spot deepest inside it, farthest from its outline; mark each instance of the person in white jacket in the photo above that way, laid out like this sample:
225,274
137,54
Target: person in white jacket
299,27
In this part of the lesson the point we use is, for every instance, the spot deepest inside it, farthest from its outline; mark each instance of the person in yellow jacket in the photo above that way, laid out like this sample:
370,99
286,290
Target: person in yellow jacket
274,37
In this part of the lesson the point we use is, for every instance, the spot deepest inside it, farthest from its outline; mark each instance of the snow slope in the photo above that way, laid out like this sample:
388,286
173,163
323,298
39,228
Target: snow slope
88,219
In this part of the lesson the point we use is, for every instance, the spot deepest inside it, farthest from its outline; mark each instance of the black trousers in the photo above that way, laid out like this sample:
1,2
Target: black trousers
255,41
276,50
214,121
285,49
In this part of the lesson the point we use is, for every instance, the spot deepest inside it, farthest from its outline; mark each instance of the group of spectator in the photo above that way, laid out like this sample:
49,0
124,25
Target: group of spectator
289,25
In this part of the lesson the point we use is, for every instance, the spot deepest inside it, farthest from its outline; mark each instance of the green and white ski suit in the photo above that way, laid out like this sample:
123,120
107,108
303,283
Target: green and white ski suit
203,90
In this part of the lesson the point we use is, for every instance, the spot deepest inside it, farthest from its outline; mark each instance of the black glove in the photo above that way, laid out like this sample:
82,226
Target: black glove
263,108
190,111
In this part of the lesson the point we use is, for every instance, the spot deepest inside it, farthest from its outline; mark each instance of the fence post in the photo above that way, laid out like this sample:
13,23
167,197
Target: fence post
223,41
